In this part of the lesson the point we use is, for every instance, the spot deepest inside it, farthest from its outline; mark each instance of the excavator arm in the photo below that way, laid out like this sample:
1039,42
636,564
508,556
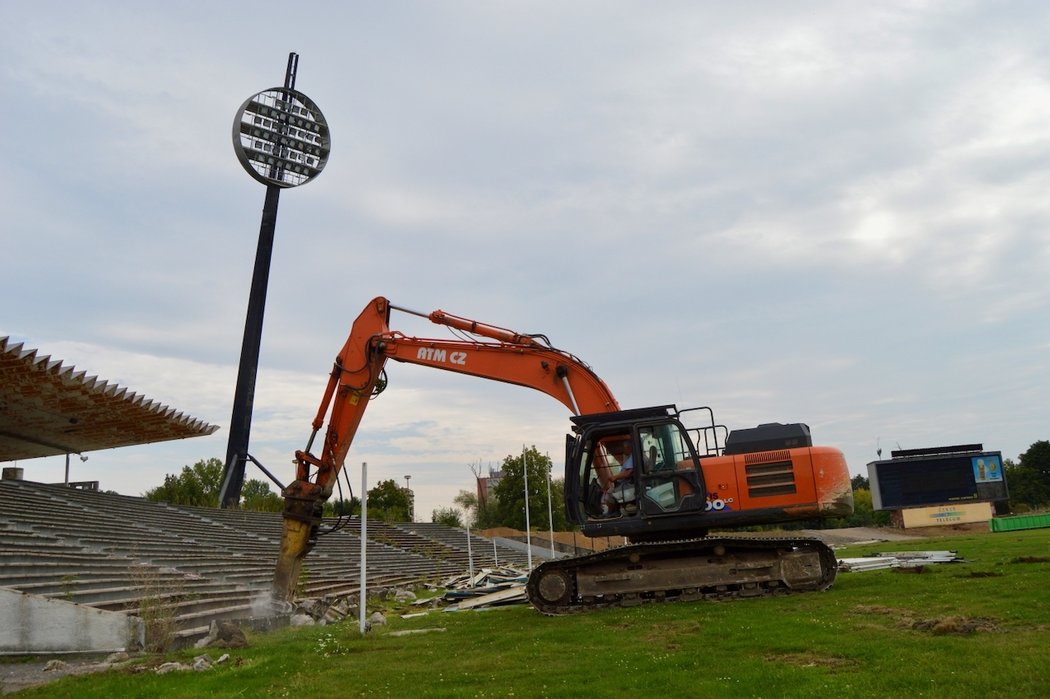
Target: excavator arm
487,351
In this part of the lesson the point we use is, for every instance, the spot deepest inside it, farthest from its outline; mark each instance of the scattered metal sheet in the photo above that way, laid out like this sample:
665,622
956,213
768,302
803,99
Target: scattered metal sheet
412,632
509,595
897,559
925,556
489,588
857,565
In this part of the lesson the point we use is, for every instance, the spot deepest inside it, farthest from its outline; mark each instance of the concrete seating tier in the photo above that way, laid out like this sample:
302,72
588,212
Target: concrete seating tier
124,553
481,548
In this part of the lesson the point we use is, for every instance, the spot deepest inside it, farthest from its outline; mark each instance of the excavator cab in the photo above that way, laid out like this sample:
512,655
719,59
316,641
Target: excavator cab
633,473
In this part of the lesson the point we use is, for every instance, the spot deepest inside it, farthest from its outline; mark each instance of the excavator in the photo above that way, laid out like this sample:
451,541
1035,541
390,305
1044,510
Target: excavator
661,476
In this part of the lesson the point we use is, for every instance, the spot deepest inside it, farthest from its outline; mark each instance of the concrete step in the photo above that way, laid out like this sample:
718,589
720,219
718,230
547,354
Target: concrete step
185,605
118,593
97,548
61,564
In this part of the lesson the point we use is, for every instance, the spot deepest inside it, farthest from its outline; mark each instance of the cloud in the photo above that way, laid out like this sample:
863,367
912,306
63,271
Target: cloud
806,212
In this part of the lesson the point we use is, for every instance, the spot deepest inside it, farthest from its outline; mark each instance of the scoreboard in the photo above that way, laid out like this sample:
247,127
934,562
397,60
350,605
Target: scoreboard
936,476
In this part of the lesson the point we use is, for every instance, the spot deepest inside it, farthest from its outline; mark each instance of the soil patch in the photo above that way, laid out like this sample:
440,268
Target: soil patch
938,626
951,625
812,660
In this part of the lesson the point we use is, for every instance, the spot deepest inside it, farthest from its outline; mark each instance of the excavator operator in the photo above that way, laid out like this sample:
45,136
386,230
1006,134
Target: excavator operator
619,490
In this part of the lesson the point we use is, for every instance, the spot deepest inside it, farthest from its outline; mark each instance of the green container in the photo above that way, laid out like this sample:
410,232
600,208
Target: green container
1012,524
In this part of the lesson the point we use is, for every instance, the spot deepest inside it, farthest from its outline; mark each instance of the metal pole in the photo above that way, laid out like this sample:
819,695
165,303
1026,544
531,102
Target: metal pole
244,393
528,532
550,508
364,540
470,558
410,499
67,468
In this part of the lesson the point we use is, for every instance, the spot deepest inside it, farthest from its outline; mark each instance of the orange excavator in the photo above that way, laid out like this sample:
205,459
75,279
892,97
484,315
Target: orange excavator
639,473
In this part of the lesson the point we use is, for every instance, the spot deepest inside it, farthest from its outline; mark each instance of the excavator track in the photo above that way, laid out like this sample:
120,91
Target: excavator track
695,569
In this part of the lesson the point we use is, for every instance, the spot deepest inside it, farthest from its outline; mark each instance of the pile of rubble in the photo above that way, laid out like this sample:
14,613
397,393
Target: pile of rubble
488,588
332,608
492,587
199,664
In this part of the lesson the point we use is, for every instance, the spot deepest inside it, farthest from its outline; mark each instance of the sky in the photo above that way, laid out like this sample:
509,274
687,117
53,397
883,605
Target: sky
820,212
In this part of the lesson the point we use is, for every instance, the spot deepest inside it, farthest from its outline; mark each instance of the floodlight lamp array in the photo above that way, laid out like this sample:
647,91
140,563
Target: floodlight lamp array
281,137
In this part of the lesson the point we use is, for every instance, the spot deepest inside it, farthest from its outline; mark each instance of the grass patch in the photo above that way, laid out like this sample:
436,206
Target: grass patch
977,628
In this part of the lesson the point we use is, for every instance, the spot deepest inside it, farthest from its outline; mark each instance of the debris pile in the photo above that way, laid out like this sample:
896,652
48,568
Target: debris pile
332,608
200,664
489,588
492,587
223,634
899,559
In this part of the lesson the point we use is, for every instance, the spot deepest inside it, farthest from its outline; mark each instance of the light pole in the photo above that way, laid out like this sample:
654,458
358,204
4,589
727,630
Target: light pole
281,139
411,504
82,459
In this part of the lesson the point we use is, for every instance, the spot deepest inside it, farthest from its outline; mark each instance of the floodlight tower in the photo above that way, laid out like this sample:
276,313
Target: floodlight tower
282,140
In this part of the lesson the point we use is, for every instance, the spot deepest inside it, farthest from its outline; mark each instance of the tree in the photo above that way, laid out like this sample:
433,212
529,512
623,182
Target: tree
343,507
199,486
449,516
864,513
479,515
858,482
196,485
467,500
510,493
1028,480
561,522
257,496
388,502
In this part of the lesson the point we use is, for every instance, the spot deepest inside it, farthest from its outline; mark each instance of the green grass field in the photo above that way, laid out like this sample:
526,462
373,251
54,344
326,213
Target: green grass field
979,628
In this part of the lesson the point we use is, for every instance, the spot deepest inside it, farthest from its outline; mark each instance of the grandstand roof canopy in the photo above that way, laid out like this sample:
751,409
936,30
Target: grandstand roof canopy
47,409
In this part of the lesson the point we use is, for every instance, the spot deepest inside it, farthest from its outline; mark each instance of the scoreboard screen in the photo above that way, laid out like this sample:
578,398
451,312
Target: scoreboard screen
923,477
